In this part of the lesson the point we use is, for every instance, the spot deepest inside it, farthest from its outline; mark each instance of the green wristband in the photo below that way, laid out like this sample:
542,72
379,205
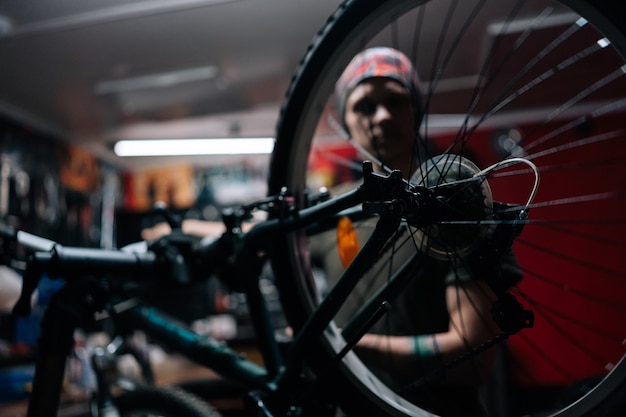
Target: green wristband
422,347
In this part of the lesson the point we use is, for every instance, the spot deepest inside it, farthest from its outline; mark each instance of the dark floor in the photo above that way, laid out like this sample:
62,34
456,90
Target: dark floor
170,369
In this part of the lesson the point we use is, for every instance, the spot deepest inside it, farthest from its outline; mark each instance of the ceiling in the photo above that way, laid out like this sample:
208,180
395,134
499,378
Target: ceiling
100,70
97,71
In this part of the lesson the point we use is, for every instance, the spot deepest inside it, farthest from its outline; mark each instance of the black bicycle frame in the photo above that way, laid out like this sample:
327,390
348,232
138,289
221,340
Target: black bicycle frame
81,298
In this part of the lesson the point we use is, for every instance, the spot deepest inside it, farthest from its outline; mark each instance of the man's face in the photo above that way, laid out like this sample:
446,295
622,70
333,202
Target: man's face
379,117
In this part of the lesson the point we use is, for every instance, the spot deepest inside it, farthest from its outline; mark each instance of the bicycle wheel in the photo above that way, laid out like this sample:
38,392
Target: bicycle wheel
550,88
162,401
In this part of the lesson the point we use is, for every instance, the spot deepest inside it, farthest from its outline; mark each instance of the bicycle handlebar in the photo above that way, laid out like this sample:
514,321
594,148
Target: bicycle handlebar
170,258
66,262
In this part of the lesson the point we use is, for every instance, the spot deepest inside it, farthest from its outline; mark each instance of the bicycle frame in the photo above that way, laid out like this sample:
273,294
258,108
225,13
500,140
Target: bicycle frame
277,383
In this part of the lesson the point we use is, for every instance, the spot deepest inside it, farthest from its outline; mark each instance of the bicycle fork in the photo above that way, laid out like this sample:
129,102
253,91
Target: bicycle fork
67,309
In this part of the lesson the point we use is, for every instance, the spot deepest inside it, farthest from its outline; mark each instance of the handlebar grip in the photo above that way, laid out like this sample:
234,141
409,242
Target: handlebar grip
76,260
33,242
28,240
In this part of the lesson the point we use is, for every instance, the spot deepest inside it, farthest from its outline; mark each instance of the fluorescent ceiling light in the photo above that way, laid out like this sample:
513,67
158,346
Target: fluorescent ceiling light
92,17
160,80
178,147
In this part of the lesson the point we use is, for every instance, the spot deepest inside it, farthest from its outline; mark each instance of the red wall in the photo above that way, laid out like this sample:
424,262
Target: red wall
572,251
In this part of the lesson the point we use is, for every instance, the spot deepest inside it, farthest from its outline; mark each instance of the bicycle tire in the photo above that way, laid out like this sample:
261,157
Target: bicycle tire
162,401
598,192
